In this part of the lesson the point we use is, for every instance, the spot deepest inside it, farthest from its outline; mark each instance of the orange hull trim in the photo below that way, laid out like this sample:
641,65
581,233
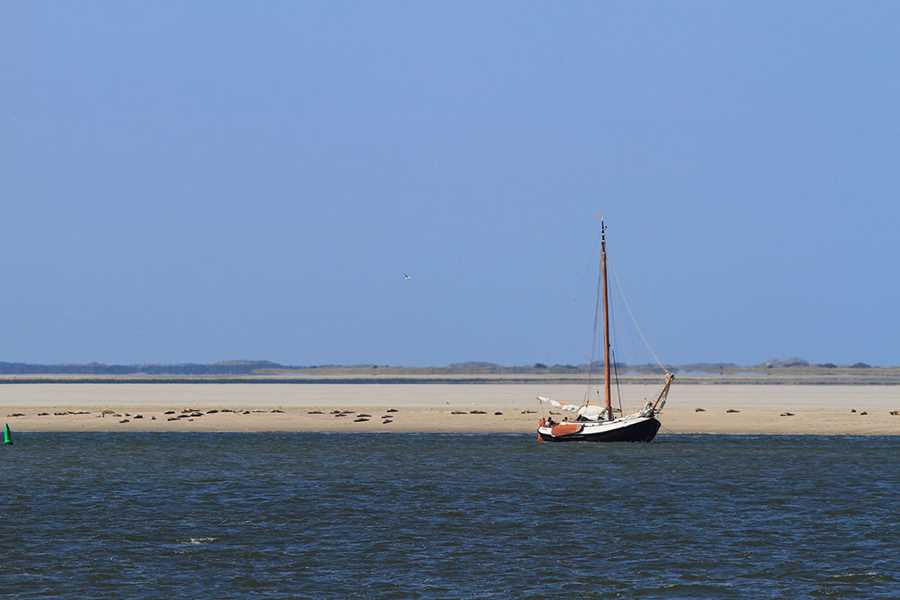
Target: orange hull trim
564,429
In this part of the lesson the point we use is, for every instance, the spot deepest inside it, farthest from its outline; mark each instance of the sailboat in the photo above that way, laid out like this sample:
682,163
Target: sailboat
594,423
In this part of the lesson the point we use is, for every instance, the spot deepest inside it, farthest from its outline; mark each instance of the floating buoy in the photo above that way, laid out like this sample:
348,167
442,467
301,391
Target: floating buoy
7,435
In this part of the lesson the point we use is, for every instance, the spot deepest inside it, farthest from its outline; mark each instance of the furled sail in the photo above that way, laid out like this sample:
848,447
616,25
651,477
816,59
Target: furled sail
591,412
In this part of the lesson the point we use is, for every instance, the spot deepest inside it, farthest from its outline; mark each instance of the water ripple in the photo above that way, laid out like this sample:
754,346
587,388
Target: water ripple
439,515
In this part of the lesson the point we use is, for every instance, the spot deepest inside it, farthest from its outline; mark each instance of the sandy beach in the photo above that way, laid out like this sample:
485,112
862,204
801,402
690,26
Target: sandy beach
430,407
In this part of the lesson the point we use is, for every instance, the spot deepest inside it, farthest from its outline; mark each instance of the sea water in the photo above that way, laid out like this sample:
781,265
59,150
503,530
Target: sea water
206,515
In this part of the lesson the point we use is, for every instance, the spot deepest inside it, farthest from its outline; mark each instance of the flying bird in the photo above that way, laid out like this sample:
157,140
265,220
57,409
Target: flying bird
406,276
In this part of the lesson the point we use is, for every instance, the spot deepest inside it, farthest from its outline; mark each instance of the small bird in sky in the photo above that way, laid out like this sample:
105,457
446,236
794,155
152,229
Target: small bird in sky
406,276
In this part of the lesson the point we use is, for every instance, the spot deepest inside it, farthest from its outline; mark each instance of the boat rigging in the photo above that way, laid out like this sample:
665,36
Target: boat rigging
591,423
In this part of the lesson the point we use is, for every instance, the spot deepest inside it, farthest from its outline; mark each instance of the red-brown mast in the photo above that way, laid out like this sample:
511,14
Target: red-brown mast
606,382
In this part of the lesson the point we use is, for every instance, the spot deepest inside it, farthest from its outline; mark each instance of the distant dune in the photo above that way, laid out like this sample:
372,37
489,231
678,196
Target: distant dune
776,371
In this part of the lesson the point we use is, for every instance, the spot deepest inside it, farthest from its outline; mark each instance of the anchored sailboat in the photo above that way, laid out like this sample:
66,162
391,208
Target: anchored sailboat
593,423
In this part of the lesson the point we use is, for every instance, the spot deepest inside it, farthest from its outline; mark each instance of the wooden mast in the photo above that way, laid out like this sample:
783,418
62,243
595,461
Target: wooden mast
606,382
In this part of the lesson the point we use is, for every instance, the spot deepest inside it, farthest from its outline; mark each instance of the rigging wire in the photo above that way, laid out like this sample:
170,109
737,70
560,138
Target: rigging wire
587,393
633,320
618,387
614,335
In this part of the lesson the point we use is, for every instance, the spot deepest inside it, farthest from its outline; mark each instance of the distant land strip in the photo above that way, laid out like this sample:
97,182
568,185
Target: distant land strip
792,371
774,379
260,367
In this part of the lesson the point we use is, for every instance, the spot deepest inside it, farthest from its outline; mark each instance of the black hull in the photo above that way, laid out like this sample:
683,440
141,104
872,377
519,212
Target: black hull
644,431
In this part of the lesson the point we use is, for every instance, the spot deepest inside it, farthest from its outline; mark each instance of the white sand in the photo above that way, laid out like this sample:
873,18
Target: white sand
427,407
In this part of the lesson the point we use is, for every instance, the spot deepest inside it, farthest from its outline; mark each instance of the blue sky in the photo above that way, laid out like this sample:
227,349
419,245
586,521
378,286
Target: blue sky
213,180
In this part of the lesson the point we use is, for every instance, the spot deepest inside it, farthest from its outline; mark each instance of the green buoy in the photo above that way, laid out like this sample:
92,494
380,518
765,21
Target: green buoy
7,435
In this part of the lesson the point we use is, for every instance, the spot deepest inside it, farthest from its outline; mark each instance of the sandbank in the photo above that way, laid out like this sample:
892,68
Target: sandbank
429,407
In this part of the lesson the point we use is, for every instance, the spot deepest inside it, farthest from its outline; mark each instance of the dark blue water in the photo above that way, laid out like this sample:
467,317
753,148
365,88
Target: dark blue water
403,515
